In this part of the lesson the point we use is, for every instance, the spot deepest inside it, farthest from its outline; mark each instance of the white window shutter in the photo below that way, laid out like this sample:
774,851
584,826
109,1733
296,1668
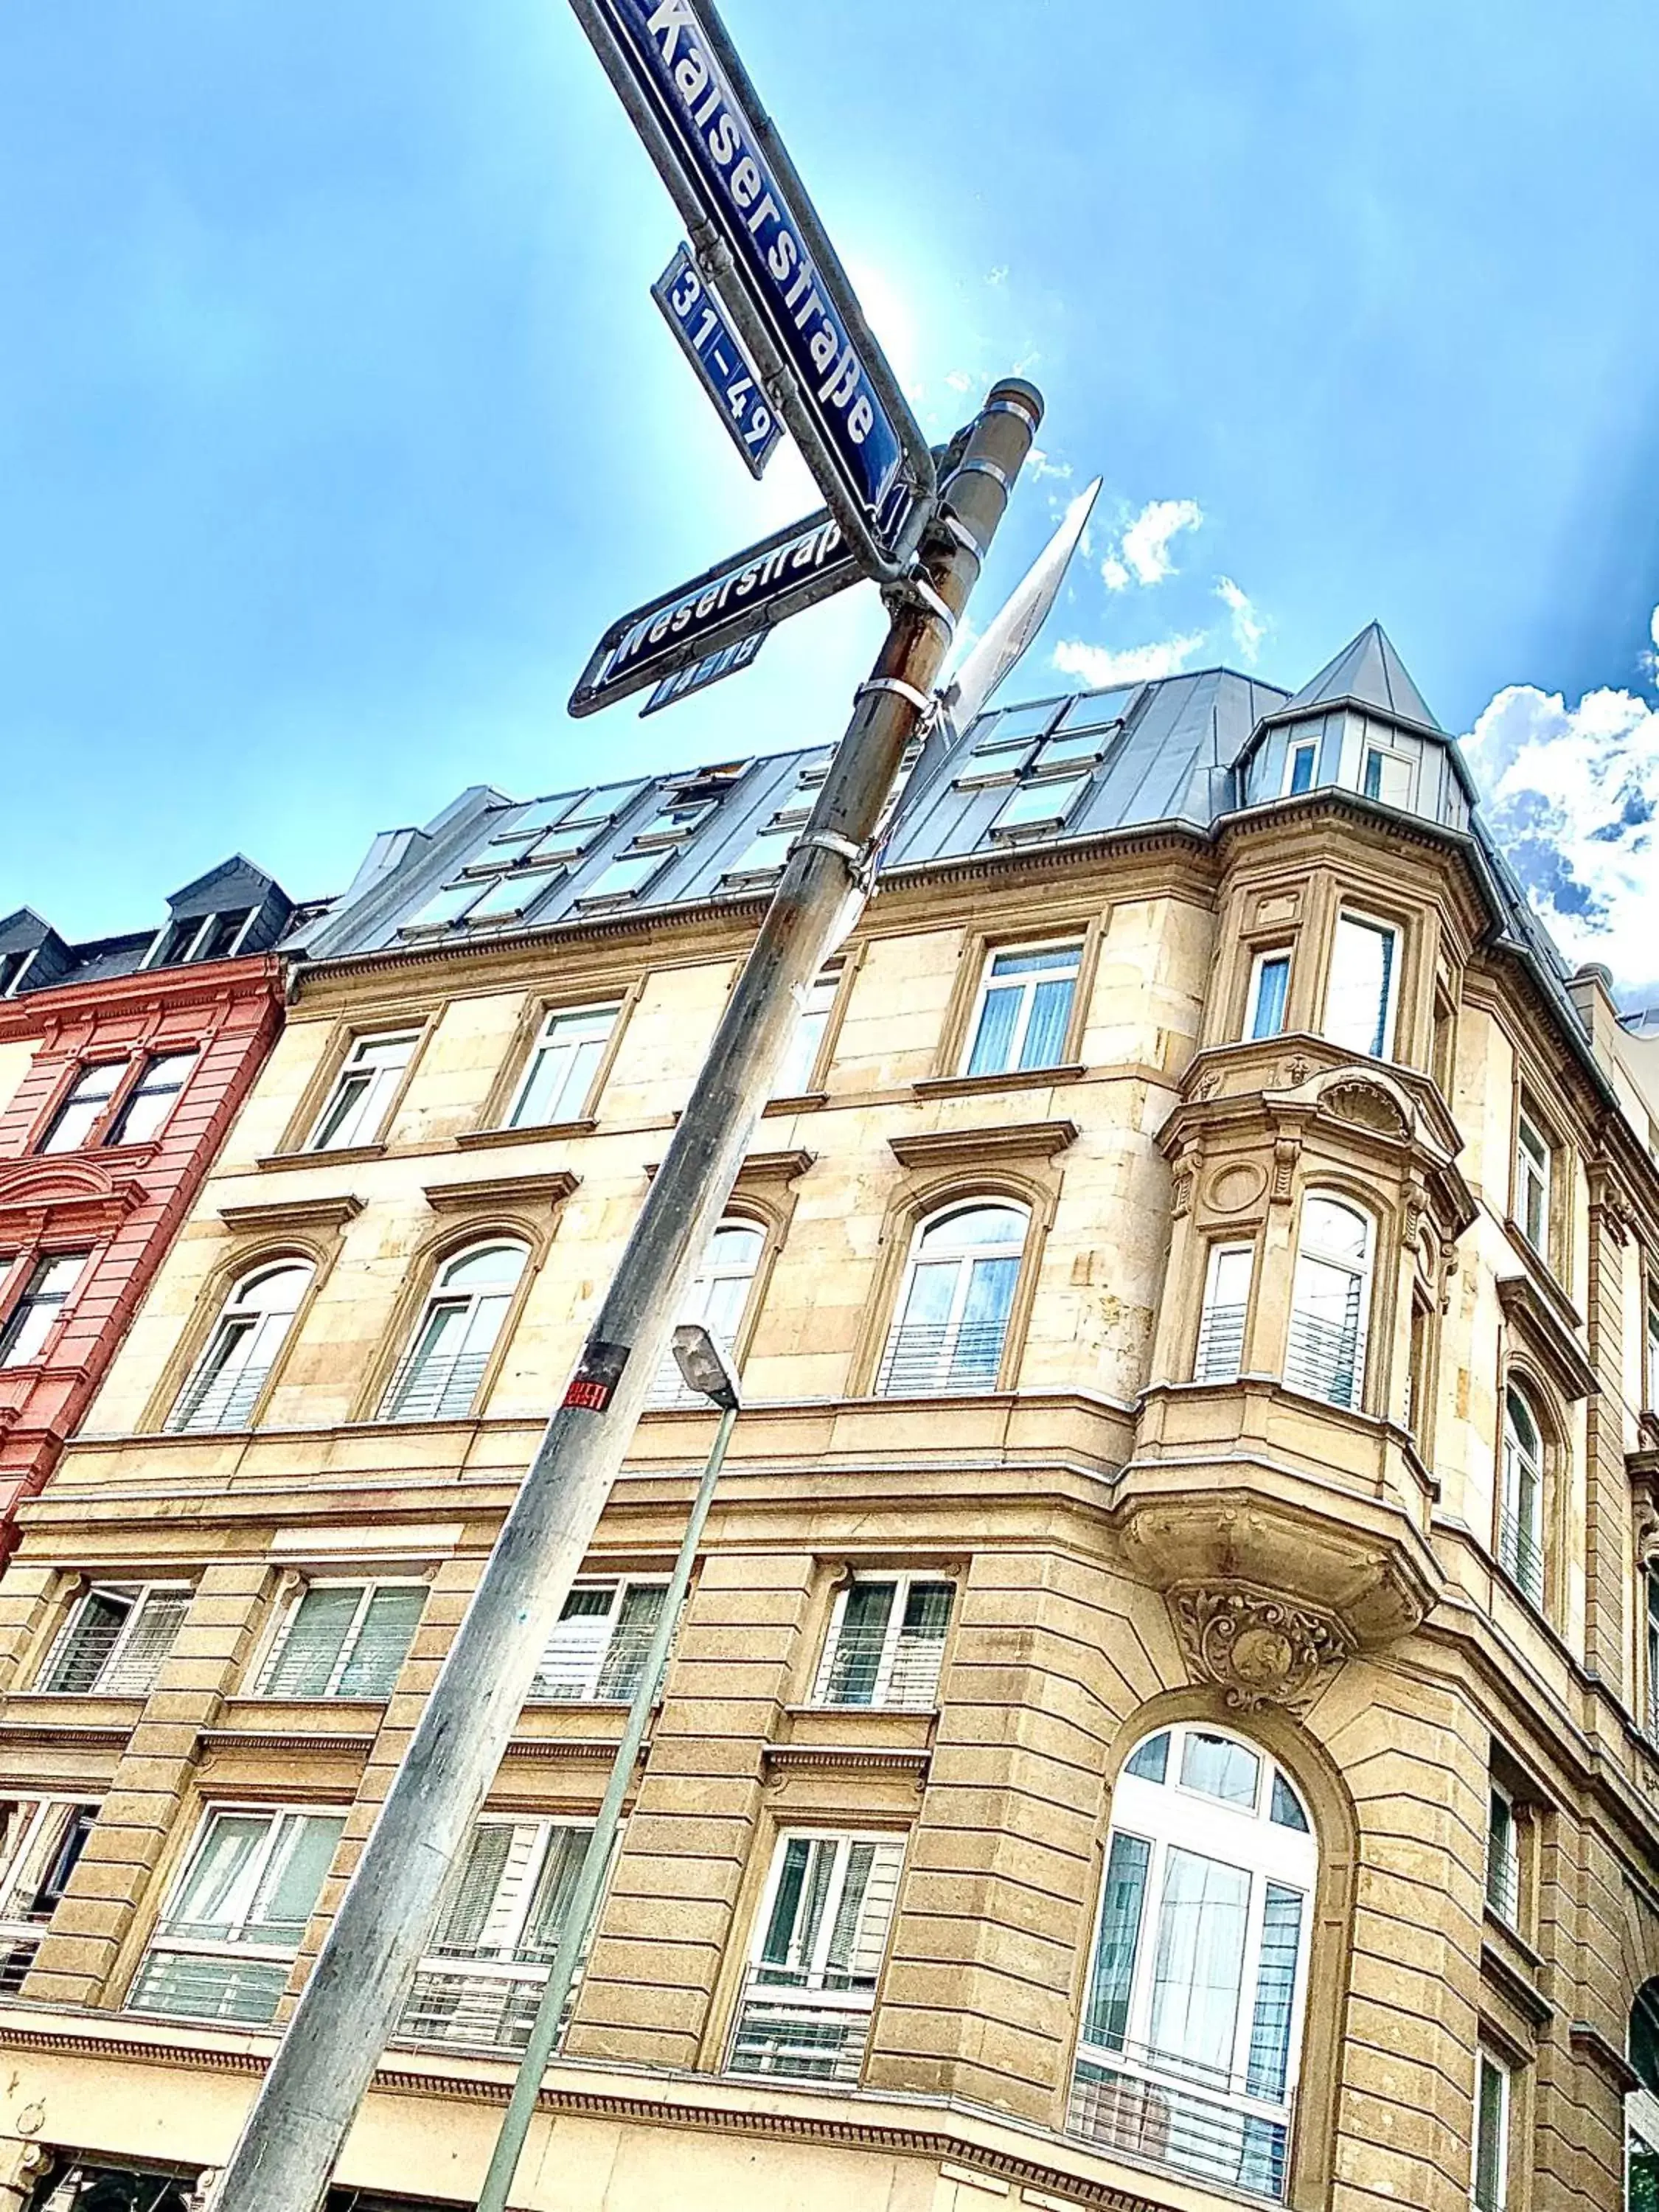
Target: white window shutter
149,1639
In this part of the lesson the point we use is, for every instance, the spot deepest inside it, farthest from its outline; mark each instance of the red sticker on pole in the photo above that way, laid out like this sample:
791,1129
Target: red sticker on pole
594,1383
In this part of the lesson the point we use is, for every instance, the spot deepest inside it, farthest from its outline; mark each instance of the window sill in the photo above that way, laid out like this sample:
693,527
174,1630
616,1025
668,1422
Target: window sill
538,1133
799,1102
343,1156
1018,1078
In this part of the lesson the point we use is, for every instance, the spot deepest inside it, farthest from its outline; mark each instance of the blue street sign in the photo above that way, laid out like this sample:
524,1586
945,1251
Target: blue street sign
714,350
852,428
792,570
729,662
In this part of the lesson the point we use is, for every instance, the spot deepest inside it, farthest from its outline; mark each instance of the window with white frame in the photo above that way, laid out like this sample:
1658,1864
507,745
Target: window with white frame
41,1840
1388,776
1502,1857
1363,987
1192,2014
231,1927
51,1284
886,1642
354,1111
1489,2176
237,1361
1330,1302
820,1940
1532,1182
1269,993
599,1650
343,1640
83,1106
439,1378
562,1064
1300,765
718,1298
1226,1304
801,1059
145,1109
1650,1590
1520,1501
1024,1009
950,1324
479,1985
114,1641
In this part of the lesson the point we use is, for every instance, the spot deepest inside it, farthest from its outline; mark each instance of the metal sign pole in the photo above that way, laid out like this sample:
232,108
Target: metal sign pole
383,1925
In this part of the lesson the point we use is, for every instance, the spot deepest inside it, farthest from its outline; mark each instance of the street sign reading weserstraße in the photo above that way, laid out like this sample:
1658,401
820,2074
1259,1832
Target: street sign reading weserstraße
780,577
670,62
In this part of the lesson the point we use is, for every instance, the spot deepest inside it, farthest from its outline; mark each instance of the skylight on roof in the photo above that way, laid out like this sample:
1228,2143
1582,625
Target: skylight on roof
765,853
1040,805
624,879
511,895
1016,726
447,905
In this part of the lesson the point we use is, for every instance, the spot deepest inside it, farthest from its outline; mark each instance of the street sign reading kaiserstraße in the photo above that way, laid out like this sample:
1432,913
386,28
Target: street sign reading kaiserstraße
783,576
713,349
778,276
729,661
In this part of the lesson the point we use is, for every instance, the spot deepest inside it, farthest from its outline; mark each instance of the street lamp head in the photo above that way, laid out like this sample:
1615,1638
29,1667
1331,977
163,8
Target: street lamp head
703,1362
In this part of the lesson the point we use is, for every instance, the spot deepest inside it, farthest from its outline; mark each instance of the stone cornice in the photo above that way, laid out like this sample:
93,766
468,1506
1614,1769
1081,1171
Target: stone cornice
332,1211
549,1190
164,990
1546,1336
852,1759
985,1142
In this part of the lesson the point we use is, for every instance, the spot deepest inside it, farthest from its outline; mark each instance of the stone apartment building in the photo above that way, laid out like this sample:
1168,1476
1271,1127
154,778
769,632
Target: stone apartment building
1164,1714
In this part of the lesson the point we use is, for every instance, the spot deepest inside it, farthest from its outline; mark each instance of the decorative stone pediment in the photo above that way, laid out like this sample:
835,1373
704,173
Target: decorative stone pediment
1259,1648
1368,1105
83,1195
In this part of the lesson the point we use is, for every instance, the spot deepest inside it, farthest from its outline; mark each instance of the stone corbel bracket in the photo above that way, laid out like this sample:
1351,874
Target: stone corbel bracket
1259,1648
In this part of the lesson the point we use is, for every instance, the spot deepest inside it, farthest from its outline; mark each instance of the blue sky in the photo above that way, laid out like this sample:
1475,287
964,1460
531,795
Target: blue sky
335,421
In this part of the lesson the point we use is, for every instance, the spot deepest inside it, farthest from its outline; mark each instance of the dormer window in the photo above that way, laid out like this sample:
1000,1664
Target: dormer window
1300,765
189,938
1389,776
14,967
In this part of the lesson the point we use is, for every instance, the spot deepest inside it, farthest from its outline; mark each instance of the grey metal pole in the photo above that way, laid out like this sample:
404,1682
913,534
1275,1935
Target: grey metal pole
585,1898
383,1925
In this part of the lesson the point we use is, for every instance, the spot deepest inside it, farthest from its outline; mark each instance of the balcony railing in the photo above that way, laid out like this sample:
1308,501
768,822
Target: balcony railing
17,1950
1220,1345
1520,1557
225,1400
1226,2136
933,1360
433,1388
475,2007
817,2035
1326,1358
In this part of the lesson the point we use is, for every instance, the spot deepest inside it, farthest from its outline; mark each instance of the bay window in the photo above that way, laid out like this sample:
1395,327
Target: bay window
1226,1304
821,1938
232,1927
1364,984
1269,993
1192,2015
1330,1302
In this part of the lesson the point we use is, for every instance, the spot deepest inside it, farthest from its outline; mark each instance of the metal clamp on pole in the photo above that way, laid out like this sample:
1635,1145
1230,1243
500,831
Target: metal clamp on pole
922,701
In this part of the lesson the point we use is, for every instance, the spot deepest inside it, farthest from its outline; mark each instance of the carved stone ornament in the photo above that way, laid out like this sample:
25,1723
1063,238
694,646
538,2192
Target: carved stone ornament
1367,1106
1296,1072
1261,1650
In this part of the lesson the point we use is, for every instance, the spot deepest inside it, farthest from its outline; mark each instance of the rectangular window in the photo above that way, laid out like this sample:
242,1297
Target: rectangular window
1270,990
1024,1009
40,1841
510,897
1389,776
1360,999
49,1289
232,1927
1502,1859
113,1643
821,1937
481,1983
151,1099
800,1060
1037,806
1650,1392
83,1108
1301,763
1226,1304
1652,1581
445,906
354,1110
343,1640
1490,2179
1532,1183
624,879
765,853
1016,726
886,1641
563,1062
599,1648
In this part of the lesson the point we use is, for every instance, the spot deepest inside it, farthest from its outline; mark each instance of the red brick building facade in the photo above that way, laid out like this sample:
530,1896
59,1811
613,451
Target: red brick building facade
122,1065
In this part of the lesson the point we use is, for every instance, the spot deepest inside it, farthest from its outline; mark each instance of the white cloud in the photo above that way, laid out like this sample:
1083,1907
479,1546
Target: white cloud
1573,795
999,274
1142,550
1250,625
1100,667
1040,465
959,380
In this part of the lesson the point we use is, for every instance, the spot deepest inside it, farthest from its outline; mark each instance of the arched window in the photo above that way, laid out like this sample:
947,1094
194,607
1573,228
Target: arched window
1192,2020
1520,1507
1642,2105
718,1297
439,1375
1330,1302
225,1384
952,1320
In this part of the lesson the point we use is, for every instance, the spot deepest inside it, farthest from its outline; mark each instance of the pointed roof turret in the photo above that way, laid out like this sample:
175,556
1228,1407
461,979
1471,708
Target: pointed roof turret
1370,672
